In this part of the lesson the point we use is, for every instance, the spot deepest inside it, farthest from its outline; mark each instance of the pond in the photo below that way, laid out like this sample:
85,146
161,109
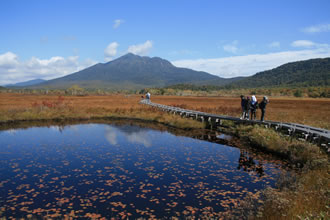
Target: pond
106,170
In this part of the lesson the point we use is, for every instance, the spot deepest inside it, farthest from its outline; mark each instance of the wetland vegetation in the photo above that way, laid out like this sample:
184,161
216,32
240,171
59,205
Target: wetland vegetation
285,199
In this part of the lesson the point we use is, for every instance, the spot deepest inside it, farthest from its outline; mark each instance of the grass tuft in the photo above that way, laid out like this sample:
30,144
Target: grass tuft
299,153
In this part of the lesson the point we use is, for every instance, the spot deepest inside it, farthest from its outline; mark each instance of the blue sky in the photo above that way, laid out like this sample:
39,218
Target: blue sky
49,39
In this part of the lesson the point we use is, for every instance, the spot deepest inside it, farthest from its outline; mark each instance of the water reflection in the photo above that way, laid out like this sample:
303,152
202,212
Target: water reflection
224,136
58,128
133,134
11,131
111,135
76,172
246,163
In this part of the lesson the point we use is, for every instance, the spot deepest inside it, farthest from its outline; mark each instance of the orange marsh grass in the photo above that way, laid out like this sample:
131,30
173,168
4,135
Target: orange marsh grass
36,107
314,112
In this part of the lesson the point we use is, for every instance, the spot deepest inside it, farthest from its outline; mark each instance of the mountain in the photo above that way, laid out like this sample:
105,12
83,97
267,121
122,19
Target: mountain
134,72
27,83
314,72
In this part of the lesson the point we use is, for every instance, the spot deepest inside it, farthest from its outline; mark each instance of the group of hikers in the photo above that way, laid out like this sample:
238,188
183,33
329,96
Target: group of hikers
250,106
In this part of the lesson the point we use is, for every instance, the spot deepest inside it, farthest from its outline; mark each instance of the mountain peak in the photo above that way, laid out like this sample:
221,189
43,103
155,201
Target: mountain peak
129,55
130,58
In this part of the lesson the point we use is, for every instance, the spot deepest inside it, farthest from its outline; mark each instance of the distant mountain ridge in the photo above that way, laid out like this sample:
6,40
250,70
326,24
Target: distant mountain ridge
134,72
27,83
313,72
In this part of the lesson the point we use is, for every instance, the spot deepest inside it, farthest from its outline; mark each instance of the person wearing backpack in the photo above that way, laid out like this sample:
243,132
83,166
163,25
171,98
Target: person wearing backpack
253,107
262,106
148,96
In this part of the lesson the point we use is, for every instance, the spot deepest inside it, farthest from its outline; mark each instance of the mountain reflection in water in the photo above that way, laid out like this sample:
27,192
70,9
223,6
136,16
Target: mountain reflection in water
107,170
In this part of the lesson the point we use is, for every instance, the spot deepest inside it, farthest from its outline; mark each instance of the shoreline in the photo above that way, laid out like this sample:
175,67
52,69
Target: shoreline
86,119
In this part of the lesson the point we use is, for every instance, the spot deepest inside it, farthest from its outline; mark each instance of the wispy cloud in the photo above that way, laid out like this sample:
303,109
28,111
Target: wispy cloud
69,38
308,44
44,39
14,70
183,52
317,28
110,51
232,47
250,64
274,44
303,43
117,23
141,49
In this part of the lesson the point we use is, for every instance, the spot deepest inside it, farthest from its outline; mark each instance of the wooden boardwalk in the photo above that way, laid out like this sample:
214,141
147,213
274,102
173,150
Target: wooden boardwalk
316,135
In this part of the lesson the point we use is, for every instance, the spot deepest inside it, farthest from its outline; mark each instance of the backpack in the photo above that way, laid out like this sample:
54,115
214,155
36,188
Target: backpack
256,105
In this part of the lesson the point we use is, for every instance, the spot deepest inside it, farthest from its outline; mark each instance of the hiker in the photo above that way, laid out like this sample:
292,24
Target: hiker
148,96
262,106
243,100
247,107
253,107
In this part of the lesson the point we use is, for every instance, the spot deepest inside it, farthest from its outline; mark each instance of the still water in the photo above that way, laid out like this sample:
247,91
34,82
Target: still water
102,170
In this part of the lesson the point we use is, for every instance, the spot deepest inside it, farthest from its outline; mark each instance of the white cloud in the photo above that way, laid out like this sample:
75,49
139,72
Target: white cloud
117,23
274,44
110,51
317,28
13,70
140,49
232,47
250,64
8,60
303,43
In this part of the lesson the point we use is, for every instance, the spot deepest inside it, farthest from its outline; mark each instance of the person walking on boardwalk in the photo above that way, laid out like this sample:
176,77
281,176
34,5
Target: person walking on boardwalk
253,107
262,106
243,100
148,96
